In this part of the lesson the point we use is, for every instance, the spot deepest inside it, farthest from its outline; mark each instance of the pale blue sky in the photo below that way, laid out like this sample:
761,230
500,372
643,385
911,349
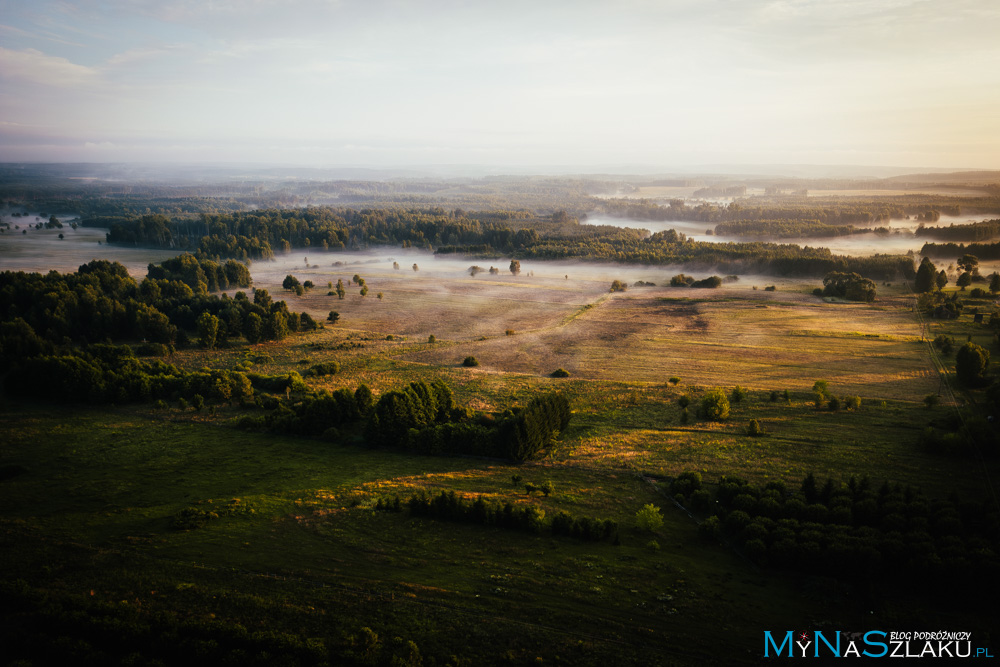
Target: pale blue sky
392,83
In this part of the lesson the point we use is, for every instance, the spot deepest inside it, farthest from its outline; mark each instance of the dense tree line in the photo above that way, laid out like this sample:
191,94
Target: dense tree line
858,532
448,506
736,258
251,235
987,251
103,373
974,232
56,332
787,229
421,418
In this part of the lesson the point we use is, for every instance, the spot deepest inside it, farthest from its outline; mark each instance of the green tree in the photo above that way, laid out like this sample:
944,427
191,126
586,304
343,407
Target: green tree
364,399
262,298
340,288
208,329
253,328
926,274
618,286
964,280
969,264
941,279
994,282
515,267
276,326
290,282
333,317
971,364
715,405
649,518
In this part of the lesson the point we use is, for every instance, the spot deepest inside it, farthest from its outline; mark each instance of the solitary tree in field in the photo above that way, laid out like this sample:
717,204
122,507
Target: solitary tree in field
290,282
415,267
333,317
941,279
964,280
715,405
515,267
473,270
340,288
618,286
364,290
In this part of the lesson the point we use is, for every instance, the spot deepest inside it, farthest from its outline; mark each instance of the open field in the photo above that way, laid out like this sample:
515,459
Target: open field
102,490
299,551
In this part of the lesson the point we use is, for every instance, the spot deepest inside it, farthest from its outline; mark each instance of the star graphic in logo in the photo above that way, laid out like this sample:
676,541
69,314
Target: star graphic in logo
804,636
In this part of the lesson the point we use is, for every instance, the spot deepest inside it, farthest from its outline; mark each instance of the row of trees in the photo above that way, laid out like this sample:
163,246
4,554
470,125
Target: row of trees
855,530
448,506
252,234
420,417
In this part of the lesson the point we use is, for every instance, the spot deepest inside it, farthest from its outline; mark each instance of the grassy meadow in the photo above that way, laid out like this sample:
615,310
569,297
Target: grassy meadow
299,550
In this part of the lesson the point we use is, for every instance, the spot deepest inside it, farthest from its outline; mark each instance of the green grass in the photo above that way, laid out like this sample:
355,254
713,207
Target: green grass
110,482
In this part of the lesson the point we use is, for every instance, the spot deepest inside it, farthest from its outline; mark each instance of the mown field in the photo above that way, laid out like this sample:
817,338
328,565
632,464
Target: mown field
302,564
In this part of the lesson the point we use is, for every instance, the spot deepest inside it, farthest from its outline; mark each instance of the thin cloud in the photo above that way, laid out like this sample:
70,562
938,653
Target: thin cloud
34,66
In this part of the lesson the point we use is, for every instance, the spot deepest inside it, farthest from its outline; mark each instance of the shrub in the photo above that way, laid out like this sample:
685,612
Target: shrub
618,286
775,396
560,373
715,405
470,362
755,429
684,401
653,546
547,488
738,394
431,339
852,402
197,402
944,343
773,288
674,381
834,403
649,518
930,400
324,368
710,282
686,483
709,528
700,500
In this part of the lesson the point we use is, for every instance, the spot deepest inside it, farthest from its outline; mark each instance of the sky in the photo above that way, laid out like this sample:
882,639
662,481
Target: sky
389,83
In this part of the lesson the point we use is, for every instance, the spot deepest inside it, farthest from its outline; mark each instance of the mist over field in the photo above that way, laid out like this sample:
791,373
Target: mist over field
455,334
